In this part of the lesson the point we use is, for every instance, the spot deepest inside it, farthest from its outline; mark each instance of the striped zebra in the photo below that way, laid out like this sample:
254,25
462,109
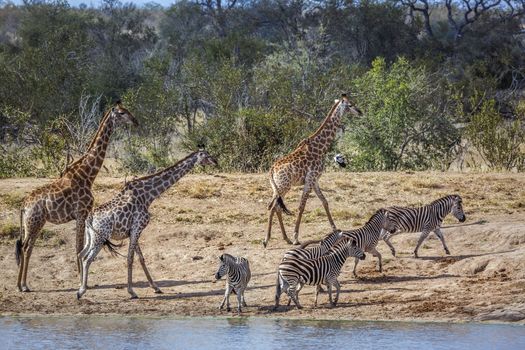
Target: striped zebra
368,236
294,272
302,252
425,220
238,271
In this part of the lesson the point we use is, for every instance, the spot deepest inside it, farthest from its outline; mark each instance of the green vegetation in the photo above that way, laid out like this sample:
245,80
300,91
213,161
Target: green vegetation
250,79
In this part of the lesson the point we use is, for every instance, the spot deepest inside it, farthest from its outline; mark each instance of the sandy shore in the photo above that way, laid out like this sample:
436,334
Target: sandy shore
205,215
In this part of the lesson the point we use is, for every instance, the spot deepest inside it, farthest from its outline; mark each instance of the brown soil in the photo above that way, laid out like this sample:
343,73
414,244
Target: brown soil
205,215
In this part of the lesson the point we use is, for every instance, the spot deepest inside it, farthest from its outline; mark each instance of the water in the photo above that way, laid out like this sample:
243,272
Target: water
248,333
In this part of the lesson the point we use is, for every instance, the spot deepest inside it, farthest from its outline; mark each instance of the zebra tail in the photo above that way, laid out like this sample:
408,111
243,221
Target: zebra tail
307,243
18,244
112,247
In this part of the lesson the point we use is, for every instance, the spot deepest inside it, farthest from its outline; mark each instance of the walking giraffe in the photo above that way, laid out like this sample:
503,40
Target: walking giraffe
127,215
304,166
68,197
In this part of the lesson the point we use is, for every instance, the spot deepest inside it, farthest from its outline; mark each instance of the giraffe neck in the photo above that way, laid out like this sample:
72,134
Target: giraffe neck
88,166
322,139
150,187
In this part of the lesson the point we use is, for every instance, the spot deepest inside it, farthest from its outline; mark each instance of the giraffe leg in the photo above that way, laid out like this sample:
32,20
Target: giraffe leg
424,235
81,223
85,261
269,230
131,251
27,248
304,198
323,200
152,284
439,234
281,224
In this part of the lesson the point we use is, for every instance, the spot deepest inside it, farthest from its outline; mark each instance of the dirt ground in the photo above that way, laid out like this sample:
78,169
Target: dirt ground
205,215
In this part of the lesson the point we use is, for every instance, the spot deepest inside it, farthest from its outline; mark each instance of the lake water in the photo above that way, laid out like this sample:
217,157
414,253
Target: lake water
248,333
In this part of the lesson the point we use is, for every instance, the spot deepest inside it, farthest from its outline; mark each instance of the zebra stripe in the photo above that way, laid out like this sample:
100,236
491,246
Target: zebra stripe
316,251
368,236
324,270
425,219
238,271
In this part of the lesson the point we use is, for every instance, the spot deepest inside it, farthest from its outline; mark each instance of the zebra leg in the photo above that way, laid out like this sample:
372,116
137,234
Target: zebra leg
323,200
329,287
355,267
226,298
392,249
316,295
376,254
292,293
299,287
239,299
338,290
439,234
424,235
243,300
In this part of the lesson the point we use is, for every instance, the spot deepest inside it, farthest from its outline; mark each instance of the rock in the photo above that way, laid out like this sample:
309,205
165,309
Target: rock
502,315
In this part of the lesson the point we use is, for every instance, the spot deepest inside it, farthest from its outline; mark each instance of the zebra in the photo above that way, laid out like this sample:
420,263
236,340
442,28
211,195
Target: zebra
302,252
324,246
324,270
368,235
238,271
425,219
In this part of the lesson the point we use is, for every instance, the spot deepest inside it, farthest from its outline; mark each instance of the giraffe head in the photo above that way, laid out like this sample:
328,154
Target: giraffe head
204,158
119,113
349,106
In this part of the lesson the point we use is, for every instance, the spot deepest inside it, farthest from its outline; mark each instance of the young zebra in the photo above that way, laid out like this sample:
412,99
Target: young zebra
425,220
324,270
238,271
367,236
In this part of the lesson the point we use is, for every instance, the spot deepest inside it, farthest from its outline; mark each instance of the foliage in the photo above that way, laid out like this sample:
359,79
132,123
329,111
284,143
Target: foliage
499,142
407,123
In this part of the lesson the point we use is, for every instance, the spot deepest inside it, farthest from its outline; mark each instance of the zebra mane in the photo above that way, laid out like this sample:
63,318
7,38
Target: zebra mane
373,218
227,258
444,200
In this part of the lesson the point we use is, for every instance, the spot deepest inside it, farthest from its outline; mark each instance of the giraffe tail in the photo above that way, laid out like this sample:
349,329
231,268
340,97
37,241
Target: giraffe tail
18,244
279,202
112,247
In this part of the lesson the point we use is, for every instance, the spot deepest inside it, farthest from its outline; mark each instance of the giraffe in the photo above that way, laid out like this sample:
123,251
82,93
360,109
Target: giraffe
67,198
304,166
127,215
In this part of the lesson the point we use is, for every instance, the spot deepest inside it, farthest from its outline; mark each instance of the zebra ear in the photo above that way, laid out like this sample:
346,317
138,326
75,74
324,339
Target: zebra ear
221,258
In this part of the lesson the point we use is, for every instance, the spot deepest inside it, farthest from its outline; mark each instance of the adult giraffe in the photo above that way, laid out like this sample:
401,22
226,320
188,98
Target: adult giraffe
68,197
304,166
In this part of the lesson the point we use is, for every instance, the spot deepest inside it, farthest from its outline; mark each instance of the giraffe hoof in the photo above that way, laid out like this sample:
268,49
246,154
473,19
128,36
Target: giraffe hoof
79,295
134,296
264,243
158,291
296,243
25,289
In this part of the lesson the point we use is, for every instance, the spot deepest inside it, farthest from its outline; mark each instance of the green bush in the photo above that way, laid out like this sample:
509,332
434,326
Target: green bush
499,142
406,124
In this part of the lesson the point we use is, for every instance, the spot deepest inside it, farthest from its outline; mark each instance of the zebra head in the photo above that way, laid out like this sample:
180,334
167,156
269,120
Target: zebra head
457,208
354,250
331,239
388,225
340,160
224,267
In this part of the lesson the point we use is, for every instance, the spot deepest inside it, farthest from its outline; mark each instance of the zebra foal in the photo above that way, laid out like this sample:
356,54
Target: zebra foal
425,220
238,271
295,272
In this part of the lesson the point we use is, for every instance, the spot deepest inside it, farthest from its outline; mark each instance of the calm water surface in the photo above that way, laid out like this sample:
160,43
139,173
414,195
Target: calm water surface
240,333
